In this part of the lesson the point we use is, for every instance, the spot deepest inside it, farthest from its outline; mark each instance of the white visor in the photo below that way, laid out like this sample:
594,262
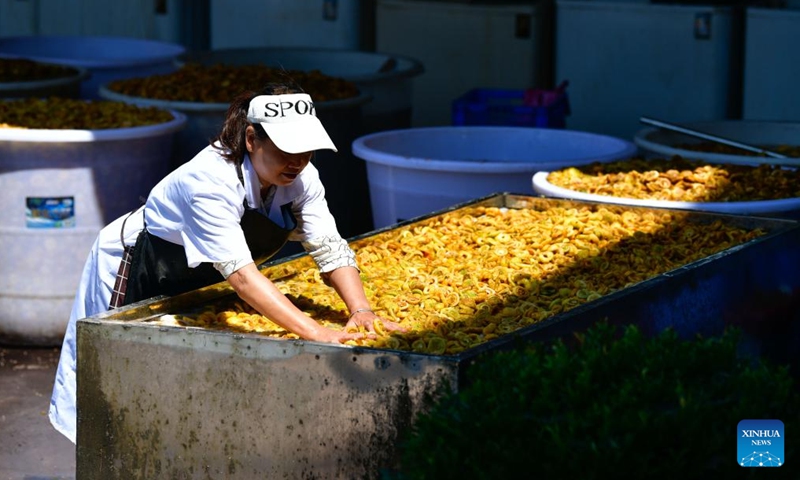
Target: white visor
291,122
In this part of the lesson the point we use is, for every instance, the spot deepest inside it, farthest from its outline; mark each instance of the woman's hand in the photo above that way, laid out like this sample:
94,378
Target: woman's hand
364,324
347,283
339,336
373,323
258,291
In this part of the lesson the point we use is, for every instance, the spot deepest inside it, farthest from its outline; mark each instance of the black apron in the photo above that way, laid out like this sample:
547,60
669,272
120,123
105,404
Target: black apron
159,267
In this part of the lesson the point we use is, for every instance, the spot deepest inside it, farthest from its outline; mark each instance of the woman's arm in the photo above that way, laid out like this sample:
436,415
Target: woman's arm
347,283
260,293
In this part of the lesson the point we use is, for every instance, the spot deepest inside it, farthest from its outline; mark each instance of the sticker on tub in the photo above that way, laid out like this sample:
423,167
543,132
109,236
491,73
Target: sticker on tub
50,212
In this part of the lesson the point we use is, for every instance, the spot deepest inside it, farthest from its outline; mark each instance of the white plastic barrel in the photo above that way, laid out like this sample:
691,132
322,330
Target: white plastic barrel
384,76
106,58
58,188
203,121
417,171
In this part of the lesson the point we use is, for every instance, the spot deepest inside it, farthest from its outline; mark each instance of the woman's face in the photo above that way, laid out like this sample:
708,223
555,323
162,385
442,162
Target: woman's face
274,166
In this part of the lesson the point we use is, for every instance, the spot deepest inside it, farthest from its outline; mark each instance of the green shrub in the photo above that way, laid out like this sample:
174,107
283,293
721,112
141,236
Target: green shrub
616,404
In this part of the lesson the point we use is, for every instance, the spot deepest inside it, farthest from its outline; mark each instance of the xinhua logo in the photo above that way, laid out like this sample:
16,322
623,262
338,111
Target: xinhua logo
760,443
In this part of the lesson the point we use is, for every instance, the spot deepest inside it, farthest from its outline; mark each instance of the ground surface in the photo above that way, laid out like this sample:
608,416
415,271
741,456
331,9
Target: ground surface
30,448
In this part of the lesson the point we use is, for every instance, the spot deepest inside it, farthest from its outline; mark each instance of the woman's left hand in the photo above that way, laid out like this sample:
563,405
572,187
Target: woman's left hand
372,323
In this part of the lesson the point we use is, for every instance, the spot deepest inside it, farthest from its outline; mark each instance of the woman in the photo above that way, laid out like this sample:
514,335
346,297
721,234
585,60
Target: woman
218,216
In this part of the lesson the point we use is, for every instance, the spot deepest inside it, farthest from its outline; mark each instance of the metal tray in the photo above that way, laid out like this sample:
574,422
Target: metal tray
183,402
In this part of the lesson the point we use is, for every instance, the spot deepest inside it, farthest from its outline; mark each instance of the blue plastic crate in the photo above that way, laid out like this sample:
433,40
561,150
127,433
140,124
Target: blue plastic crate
519,108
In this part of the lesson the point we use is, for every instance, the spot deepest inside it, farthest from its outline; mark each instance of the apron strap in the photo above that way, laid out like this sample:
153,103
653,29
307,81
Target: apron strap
124,270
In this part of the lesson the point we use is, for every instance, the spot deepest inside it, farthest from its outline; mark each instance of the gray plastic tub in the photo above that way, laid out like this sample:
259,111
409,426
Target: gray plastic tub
68,86
757,133
106,58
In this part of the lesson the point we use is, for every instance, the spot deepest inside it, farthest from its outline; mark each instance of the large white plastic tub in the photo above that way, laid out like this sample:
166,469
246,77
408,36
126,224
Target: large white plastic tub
760,134
106,58
414,172
788,207
92,176
386,77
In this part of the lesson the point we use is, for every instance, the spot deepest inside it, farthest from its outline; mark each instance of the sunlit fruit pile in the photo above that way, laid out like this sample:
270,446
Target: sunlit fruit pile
221,83
70,114
465,277
679,179
713,147
13,70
